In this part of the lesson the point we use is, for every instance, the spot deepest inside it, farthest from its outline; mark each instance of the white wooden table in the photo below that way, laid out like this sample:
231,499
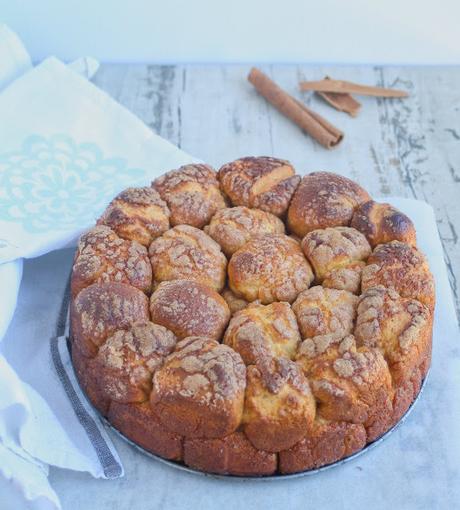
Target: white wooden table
409,148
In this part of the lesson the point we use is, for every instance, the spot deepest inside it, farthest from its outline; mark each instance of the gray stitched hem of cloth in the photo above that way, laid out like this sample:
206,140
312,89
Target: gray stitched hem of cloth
84,412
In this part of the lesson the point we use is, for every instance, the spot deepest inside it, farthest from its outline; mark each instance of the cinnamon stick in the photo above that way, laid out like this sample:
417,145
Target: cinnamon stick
312,123
342,102
347,87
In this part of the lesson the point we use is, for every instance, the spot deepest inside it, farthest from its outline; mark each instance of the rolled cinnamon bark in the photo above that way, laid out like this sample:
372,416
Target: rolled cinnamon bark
348,87
342,102
312,123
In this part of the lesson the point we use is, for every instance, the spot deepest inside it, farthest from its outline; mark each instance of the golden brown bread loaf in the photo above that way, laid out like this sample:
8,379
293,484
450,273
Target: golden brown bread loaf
259,331
126,361
199,390
279,407
189,308
192,194
351,384
102,256
264,183
227,376
138,214
269,268
382,223
233,227
101,309
337,256
401,329
187,253
322,200
402,267
323,311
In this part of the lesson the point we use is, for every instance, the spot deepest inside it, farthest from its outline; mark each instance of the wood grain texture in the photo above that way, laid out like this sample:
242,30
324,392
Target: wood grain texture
407,147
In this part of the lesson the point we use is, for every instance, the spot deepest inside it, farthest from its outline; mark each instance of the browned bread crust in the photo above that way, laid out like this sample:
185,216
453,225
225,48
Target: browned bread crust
192,194
233,455
138,214
263,182
338,256
127,360
401,329
401,267
199,390
227,376
322,311
382,223
87,379
279,407
328,442
322,200
235,303
101,309
233,227
189,308
139,423
269,268
351,384
259,331
187,253
102,256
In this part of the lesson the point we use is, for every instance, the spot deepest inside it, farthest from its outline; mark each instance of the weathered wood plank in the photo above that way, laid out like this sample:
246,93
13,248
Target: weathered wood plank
407,147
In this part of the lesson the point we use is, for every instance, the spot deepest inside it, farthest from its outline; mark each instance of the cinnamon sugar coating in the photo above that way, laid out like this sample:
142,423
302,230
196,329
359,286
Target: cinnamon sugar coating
279,406
401,267
102,256
338,256
103,308
324,199
187,253
259,331
244,382
192,194
351,384
138,214
401,329
382,223
199,390
127,360
233,227
189,308
269,268
321,311
264,183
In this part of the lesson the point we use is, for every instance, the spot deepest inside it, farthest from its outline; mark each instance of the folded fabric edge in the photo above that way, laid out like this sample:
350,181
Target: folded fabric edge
103,446
19,61
28,478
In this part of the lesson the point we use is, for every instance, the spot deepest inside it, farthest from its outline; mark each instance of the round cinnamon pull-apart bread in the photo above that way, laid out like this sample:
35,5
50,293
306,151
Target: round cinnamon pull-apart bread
249,321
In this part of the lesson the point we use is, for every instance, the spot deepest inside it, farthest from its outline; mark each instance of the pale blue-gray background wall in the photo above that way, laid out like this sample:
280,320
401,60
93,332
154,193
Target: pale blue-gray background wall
381,31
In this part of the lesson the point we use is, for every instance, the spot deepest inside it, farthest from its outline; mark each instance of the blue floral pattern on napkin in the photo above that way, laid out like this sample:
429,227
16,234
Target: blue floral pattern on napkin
56,183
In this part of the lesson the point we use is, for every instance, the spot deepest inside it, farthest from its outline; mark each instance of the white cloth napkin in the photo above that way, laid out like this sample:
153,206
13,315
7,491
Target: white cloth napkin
66,148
